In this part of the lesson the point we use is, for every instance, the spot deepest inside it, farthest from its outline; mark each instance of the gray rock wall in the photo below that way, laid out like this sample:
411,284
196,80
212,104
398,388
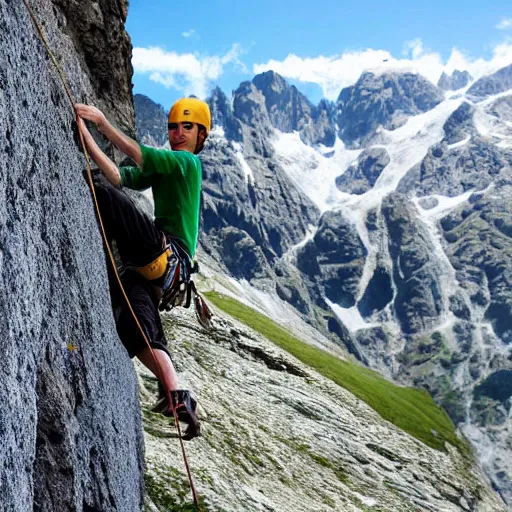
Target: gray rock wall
485,274
453,171
335,257
69,416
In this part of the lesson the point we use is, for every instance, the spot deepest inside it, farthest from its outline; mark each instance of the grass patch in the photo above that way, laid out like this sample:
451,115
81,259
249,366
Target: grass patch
410,409
169,491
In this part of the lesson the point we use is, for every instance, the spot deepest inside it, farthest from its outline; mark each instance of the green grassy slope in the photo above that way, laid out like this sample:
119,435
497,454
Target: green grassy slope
410,409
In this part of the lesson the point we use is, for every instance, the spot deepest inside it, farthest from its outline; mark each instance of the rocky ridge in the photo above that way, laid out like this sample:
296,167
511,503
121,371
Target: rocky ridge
278,436
499,82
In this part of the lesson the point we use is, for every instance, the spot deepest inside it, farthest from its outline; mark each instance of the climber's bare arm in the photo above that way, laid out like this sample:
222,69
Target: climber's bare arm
106,165
124,143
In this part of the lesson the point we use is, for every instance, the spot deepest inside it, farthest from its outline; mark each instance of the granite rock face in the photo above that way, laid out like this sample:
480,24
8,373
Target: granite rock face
418,299
485,275
453,171
288,109
460,124
69,414
334,257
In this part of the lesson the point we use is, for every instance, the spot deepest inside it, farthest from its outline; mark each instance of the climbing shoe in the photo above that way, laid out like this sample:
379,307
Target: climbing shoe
185,407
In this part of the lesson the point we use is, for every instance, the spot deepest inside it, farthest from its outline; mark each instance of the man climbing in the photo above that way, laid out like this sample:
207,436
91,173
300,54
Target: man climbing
150,250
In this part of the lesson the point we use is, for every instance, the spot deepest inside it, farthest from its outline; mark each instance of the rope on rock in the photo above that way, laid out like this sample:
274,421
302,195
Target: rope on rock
111,256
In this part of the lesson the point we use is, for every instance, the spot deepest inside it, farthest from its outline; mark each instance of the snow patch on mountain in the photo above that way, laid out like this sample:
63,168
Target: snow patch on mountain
409,144
218,131
459,144
249,176
290,254
350,317
315,174
312,172
444,205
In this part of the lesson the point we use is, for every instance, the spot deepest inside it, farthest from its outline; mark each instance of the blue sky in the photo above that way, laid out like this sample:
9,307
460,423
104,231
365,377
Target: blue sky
183,48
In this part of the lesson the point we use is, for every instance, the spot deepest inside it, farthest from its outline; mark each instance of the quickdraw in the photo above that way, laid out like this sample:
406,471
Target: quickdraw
179,288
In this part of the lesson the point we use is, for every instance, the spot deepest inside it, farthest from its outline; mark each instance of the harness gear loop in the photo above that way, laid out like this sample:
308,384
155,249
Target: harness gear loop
109,251
156,268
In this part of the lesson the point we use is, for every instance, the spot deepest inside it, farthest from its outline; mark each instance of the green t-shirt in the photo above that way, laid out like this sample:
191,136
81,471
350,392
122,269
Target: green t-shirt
175,178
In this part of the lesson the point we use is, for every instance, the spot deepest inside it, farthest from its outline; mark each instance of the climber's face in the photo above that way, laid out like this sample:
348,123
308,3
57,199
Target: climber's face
183,136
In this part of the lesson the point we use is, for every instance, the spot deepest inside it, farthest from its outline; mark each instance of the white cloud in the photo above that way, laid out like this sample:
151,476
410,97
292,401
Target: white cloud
504,24
190,73
333,73
189,33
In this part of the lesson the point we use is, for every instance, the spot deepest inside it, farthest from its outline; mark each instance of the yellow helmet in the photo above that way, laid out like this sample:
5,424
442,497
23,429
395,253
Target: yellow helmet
191,110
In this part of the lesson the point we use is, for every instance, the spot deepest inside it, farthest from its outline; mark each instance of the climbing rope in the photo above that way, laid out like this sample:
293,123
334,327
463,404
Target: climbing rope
107,245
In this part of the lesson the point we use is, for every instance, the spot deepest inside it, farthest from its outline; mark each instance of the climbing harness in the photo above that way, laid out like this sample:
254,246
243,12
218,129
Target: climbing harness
109,251
156,268
176,268
179,287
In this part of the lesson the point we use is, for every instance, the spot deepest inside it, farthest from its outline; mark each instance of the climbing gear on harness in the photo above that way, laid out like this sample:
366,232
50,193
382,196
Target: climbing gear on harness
203,312
109,251
178,287
175,281
186,408
191,110
156,268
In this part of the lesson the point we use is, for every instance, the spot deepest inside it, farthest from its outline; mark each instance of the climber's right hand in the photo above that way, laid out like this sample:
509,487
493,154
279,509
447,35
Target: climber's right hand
92,114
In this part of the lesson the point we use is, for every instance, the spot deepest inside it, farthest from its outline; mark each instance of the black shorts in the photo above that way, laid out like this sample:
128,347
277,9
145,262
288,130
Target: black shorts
144,302
138,242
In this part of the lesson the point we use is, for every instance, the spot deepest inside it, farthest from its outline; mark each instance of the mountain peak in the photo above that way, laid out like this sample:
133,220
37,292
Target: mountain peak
150,120
218,92
457,80
382,99
222,115
270,80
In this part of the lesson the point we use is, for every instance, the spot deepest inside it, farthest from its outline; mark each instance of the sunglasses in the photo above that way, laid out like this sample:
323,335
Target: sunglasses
174,126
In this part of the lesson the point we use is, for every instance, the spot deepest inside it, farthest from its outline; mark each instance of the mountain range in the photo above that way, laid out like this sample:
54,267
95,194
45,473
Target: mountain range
384,219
